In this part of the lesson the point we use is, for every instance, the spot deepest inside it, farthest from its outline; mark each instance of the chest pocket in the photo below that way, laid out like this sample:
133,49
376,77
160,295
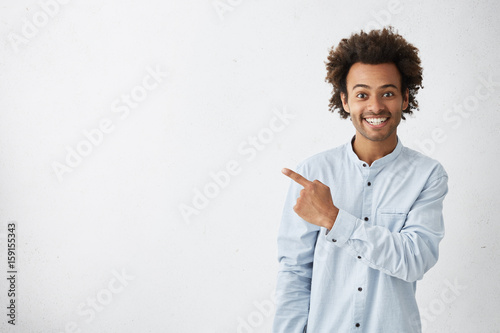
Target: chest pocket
391,219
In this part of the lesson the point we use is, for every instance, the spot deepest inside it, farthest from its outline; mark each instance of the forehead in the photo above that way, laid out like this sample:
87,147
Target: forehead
373,75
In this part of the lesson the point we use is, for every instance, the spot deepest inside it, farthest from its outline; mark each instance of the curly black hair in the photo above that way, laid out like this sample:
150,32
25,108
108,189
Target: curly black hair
374,47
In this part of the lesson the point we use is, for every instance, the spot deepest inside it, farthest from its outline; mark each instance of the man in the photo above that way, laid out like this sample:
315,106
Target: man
362,222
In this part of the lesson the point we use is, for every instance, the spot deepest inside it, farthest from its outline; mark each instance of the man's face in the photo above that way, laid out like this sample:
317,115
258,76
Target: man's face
374,101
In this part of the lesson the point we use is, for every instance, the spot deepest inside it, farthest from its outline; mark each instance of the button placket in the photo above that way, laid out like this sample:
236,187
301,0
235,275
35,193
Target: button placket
359,287
367,194
359,296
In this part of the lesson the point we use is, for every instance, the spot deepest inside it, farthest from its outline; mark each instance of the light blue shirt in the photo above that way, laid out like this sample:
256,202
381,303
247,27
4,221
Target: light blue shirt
361,275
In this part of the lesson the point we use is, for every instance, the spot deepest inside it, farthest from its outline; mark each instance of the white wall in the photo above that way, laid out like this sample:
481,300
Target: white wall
223,78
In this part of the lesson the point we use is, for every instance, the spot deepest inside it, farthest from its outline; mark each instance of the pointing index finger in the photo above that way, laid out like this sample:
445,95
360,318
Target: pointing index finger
295,176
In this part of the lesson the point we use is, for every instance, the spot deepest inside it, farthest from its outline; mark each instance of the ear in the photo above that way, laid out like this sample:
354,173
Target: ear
406,99
343,97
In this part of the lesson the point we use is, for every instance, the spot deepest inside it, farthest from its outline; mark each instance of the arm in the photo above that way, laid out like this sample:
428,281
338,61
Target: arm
296,243
406,254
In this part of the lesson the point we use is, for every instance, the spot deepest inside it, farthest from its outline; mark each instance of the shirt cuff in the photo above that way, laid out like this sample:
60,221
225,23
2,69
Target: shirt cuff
342,228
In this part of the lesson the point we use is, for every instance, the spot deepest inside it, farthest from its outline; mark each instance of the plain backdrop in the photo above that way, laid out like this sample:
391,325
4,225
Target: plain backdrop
141,144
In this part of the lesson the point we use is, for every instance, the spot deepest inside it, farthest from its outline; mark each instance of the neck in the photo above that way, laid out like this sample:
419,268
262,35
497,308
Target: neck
370,151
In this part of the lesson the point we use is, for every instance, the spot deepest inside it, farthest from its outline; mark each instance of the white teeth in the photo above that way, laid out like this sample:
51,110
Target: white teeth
376,121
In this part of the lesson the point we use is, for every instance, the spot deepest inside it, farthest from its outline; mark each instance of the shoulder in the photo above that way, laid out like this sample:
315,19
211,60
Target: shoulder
422,164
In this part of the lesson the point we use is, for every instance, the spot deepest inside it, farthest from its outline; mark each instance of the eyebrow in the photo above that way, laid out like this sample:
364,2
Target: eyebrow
368,87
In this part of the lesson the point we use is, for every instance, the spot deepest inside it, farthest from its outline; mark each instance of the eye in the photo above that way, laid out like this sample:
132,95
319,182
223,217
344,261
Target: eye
361,95
388,94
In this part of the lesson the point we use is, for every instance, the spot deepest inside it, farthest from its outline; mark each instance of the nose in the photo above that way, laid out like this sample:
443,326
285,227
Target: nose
375,104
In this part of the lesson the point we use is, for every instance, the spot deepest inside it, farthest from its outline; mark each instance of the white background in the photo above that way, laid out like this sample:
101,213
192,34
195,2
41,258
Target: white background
225,75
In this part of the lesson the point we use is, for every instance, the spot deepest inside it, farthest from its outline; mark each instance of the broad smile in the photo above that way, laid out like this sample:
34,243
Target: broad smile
376,122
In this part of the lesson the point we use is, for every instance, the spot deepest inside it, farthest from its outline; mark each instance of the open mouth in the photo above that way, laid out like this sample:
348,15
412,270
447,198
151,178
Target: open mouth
376,121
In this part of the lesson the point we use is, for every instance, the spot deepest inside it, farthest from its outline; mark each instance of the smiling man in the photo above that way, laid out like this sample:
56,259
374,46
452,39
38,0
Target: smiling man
362,222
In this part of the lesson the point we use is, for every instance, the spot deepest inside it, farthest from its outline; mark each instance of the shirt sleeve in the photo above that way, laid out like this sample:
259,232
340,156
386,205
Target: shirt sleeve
407,253
296,243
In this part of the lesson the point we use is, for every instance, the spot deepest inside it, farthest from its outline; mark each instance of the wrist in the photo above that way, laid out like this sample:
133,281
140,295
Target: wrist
330,220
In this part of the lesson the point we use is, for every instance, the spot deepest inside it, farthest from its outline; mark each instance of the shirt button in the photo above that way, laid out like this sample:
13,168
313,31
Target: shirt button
334,240
369,184
359,257
360,289
357,325
364,165
366,218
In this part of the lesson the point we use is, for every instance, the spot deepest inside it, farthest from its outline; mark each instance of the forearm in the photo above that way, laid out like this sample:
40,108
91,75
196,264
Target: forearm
406,255
292,302
296,243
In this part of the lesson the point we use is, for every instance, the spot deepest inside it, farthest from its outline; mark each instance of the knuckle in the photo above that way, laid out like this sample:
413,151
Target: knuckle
317,183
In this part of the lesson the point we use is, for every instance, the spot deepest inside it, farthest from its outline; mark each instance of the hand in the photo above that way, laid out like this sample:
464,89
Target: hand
315,203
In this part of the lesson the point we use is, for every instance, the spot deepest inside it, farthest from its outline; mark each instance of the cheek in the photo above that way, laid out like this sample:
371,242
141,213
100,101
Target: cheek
356,109
397,105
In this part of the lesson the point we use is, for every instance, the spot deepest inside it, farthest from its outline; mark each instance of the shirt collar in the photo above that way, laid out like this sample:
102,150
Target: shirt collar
378,163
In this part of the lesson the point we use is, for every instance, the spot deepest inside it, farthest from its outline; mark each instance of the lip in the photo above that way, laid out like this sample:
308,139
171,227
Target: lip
376,126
